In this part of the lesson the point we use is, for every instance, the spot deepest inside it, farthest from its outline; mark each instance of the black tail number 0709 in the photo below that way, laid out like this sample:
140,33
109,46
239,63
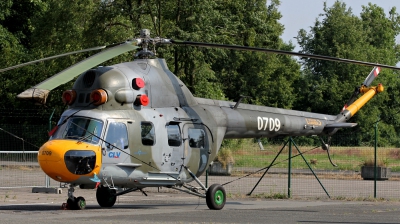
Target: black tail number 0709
273,124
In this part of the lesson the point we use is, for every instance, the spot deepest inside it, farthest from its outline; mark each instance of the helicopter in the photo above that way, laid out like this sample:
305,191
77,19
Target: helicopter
136,125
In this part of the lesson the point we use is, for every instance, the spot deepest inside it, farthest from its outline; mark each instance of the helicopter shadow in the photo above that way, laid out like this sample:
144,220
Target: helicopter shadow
57,207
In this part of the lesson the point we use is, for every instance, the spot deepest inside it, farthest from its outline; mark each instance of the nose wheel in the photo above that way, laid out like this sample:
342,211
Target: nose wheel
74,203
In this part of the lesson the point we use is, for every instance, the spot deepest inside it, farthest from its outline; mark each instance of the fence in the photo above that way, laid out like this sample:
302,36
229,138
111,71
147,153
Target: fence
22,132
20,169
311,173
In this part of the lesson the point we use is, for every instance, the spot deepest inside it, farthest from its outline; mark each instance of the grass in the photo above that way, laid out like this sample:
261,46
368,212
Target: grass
271,195
6,196
248,154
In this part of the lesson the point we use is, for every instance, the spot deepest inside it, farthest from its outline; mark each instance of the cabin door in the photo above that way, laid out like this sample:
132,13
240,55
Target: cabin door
196,147
115,148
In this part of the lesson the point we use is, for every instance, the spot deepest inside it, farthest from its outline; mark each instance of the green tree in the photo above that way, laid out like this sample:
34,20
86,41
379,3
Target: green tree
16,29
328,85
266,78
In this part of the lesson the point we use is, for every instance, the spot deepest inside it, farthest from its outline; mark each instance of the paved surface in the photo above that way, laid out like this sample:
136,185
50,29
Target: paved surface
22,206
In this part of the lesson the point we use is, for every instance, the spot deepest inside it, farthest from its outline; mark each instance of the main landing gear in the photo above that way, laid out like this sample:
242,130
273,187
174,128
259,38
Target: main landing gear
106,196
74,203
215,195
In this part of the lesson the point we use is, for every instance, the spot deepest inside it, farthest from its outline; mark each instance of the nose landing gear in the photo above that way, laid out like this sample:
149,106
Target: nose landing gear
74,203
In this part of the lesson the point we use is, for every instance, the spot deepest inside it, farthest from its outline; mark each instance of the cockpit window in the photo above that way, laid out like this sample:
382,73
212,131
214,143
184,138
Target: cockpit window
83,129
117,136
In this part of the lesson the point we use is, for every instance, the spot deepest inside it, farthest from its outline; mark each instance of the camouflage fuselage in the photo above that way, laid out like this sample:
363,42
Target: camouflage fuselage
202,124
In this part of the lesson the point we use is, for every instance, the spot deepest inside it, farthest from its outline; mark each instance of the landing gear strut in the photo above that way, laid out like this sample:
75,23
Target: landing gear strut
215,195
74,203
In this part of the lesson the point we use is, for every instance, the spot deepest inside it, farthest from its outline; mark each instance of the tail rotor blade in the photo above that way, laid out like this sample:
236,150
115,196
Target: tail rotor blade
352,98
372,75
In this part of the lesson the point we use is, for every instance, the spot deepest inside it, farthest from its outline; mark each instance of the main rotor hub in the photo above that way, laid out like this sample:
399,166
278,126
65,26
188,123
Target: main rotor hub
145,40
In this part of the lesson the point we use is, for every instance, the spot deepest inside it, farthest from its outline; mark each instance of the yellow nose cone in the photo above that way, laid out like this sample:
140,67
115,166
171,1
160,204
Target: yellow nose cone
66,160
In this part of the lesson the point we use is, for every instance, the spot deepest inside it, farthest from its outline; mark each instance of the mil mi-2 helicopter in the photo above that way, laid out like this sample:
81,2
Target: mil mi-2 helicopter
135,125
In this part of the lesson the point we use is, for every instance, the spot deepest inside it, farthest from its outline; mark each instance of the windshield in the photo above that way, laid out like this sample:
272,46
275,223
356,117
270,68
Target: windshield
83,129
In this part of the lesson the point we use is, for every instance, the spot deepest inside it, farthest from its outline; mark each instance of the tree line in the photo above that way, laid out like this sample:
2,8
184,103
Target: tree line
33,29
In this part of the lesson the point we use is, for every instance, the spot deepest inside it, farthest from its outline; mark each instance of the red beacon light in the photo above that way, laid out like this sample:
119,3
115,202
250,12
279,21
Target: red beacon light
68,97
137,83
98,97
142,100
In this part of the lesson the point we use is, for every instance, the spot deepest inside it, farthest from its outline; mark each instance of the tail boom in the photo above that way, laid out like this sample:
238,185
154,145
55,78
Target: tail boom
368,94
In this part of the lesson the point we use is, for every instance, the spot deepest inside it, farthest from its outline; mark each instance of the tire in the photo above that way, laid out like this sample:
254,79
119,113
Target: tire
216,197
71,204
105,196
80,203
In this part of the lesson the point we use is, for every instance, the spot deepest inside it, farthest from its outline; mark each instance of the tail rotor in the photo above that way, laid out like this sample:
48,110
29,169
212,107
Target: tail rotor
370,78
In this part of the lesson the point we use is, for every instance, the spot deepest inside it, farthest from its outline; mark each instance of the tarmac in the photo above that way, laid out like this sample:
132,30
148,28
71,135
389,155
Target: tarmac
23,206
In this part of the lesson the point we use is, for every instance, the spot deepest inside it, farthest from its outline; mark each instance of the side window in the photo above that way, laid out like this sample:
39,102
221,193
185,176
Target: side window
117,136
196,138
148,133
174,135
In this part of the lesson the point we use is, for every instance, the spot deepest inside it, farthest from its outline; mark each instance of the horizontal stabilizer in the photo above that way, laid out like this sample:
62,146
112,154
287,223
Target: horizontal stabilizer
341,125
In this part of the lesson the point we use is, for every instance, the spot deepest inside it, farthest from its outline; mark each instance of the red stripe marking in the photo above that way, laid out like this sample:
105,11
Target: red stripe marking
376,71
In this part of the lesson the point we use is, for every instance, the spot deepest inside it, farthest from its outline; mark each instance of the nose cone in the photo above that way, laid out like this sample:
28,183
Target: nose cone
66,160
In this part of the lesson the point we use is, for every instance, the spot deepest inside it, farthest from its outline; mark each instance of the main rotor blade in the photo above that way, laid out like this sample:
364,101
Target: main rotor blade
75,70
51,57
244,48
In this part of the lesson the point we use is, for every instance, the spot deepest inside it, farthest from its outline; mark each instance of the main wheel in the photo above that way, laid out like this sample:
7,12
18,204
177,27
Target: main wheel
216,197
80,203
105,196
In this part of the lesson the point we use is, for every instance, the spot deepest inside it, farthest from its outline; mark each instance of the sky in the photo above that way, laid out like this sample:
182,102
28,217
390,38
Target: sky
301,14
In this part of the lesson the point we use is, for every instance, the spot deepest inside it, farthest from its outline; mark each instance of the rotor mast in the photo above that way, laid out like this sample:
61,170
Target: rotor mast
145,41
